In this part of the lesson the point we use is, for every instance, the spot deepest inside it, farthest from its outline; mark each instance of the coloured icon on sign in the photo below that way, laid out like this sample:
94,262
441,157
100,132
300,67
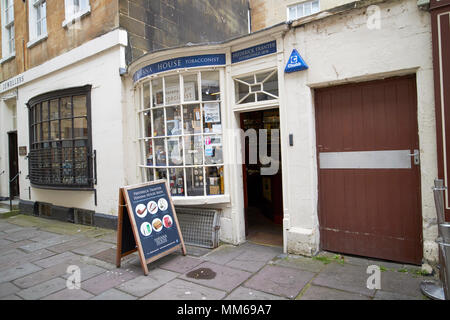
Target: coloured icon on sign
295,63
141,210
162,204
152,207
146,229
157,225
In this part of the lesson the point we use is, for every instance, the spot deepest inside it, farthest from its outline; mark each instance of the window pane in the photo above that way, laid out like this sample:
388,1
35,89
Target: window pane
147,124
192,119
271,85
211,118
149,153
292,13
214,180
176,182
315,6
194,181
242,90
38,133
54,130
173,115
54,109
67,163
44,111
80,128
146,96
157,92
190,87
149,175
37,113
79,106
160,152
45,131
172,89
160,174
66,129
66,108
307,8
210,86
194,150
213,149
56,163
158,120
175,151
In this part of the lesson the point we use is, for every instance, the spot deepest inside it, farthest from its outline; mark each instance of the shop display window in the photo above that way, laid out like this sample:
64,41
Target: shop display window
60,139
180,132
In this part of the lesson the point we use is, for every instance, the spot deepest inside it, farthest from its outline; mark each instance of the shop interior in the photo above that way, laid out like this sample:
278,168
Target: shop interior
263,196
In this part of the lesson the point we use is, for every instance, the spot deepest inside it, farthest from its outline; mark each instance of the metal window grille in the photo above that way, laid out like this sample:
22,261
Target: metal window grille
199,226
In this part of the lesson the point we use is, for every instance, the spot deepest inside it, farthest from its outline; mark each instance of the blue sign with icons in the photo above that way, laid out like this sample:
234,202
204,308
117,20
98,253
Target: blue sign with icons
178,63
295,63
254,52
154,218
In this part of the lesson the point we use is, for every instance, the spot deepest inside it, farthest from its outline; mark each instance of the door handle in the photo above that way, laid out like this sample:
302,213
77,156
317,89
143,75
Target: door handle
416,156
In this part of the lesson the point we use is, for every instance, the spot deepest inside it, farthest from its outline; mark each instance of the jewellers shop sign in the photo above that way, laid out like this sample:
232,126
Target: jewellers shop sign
180,63
12,83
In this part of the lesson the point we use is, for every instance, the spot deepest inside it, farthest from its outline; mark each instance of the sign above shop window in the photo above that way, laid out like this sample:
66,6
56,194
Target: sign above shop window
254,52
179,63
295,63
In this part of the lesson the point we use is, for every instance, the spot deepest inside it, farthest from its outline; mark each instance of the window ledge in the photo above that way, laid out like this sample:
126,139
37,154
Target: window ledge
8,58
79,15
199,200
34,42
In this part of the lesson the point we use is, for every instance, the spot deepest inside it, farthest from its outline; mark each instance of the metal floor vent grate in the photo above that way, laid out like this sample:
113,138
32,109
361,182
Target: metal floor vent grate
199,226
85,217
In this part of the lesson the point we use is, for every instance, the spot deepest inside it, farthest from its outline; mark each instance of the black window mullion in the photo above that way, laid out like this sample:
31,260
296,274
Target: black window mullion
73,139
60,144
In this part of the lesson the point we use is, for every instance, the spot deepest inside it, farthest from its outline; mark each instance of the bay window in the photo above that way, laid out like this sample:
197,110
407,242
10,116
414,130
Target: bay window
180,132
60,139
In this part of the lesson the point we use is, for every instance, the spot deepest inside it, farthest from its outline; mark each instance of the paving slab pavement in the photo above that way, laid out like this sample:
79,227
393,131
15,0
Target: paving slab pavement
35,254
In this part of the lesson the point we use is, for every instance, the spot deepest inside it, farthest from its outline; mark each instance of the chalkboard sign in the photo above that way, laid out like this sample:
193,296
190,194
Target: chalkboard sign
147,223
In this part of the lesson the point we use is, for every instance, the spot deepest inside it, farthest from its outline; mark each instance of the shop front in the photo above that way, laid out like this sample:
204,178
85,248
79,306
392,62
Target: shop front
310,159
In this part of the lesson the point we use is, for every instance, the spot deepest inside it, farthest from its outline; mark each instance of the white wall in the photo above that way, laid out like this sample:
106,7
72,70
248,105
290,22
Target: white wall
6,124
341,49
102,72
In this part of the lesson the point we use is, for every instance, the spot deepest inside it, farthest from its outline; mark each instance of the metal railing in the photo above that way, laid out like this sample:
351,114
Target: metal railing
10,190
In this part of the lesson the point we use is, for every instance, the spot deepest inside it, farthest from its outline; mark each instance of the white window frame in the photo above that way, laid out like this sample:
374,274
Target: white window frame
8,36
185,199
73,12
34,7
302,5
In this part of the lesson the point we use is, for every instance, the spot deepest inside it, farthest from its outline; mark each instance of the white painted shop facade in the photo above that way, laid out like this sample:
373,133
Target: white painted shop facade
338,49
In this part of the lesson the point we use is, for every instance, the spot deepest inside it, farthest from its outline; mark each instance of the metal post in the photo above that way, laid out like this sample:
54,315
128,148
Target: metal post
430,288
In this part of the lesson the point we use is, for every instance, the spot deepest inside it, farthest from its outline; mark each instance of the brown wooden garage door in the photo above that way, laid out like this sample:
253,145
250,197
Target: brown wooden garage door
369,184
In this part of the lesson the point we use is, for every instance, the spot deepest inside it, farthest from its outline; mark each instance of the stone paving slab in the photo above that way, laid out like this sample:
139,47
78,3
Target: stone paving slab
384,295
348,277
92,249
243,293
402,283
70,294
225,278
66,257
197,251
178,289
41,276
109,255
143,285
34,246
24,234
14,245
87,271
71,245
17,257
254,257
106,281
286,282
299,262
17,271
222,254
181,264
323,293
114,294
7,289
42,290
11,297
